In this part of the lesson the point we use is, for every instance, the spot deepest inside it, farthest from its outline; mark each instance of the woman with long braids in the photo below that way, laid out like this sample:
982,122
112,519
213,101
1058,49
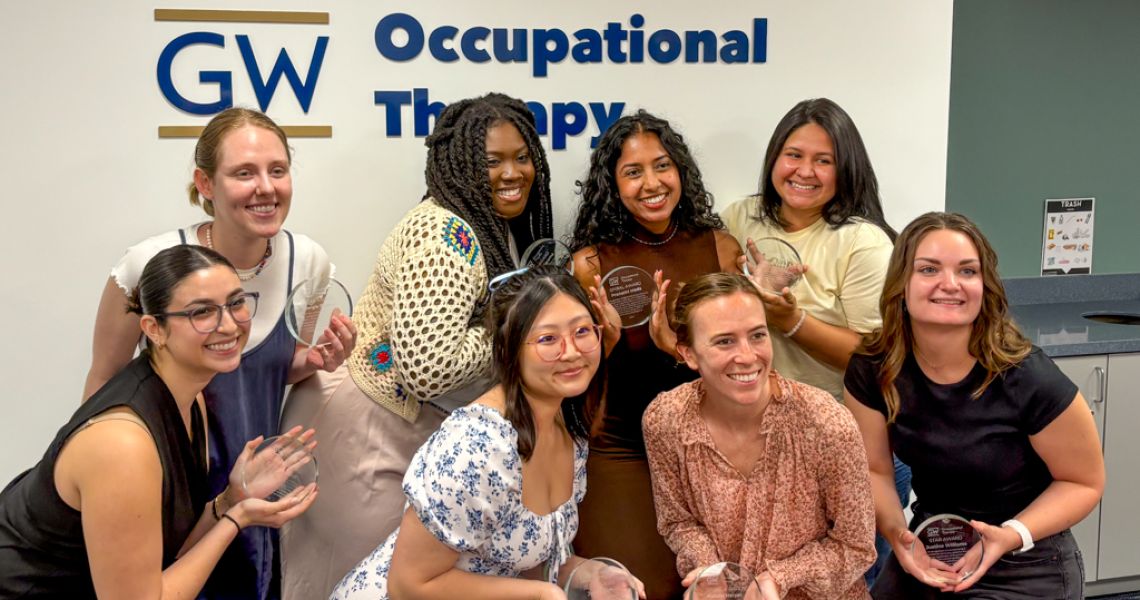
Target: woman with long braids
643,204
423,349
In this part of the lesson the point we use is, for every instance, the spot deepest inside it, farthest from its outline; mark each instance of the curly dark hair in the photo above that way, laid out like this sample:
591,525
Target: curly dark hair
601,214
856,187
457,177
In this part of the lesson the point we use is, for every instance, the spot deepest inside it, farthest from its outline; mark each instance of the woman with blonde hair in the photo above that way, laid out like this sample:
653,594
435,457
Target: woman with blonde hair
994,431
242,180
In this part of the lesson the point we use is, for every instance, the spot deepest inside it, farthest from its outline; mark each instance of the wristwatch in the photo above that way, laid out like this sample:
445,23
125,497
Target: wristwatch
1023,531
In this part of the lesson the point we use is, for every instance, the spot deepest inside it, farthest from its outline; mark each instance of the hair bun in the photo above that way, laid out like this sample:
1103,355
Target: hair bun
134,304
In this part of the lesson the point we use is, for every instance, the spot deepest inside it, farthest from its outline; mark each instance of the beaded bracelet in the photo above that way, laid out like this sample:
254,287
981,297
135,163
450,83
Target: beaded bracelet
231,520
800,323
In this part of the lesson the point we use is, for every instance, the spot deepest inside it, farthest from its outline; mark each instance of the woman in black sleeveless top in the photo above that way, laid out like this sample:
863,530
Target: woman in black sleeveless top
118,506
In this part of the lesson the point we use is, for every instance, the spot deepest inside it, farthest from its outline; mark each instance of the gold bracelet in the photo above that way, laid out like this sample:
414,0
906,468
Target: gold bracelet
214,504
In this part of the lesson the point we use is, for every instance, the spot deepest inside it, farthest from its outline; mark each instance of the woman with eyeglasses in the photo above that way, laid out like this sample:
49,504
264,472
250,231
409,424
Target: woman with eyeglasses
423,348
494,493
120,505
242,180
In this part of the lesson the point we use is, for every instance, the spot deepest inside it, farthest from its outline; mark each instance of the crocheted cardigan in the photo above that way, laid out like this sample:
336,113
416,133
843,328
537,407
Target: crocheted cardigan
414,341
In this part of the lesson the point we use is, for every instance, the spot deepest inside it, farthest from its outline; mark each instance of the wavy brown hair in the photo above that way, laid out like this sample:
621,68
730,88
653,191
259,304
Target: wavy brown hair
995,340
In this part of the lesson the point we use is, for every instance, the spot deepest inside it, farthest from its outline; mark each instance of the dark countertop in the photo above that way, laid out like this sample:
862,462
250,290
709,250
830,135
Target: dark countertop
1048,310
1060,330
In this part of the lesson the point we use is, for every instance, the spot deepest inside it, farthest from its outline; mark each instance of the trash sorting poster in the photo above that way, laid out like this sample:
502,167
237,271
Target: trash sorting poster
1067,240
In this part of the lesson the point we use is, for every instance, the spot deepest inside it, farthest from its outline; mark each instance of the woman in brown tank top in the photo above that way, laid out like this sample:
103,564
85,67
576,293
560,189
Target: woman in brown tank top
643,204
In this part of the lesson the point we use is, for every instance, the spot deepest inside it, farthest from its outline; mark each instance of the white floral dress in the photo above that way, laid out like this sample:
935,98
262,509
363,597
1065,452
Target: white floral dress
465,485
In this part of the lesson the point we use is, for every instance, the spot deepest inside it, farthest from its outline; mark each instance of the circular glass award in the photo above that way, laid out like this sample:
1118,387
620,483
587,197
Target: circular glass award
280,466
311,306
630,290
600,579
724,581
548,251
947,548
775,265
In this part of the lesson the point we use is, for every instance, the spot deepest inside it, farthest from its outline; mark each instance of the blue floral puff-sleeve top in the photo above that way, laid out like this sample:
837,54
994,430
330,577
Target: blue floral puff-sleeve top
465,485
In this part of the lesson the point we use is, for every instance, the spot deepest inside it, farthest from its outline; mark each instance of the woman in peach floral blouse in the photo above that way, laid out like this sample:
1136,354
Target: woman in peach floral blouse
752,468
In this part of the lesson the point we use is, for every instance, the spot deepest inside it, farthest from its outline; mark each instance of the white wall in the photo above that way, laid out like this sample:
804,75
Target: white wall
85,175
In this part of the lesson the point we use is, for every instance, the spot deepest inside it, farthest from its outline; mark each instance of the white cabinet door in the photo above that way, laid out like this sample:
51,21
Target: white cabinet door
1119,520
1089,373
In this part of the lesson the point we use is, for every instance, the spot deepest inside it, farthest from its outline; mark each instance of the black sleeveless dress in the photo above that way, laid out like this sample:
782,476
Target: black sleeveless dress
618,519
42,551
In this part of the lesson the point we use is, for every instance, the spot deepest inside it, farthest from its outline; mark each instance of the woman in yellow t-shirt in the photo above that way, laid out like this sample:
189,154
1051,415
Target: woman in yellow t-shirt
818,192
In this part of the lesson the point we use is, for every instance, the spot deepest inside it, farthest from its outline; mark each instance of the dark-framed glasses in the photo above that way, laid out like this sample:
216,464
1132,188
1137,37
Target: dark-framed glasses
207,318
551,346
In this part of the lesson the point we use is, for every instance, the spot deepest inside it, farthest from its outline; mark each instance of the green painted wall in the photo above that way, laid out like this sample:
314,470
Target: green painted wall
1045,103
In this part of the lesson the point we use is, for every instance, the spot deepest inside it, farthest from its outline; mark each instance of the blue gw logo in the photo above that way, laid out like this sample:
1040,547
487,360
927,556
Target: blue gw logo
263,87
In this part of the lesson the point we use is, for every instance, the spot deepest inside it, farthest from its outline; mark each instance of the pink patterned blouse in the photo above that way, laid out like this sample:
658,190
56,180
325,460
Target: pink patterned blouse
804,513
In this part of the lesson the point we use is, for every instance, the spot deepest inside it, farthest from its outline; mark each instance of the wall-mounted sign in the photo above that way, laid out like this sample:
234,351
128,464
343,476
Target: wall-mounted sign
1067,237
403,38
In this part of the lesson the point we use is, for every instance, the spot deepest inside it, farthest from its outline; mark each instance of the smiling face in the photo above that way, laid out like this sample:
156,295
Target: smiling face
251,187
509,168
804,174
945,285
203,353
571,373
729,346
648,182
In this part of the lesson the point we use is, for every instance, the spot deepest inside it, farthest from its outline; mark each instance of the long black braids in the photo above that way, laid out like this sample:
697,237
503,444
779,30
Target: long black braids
601,215
457,175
